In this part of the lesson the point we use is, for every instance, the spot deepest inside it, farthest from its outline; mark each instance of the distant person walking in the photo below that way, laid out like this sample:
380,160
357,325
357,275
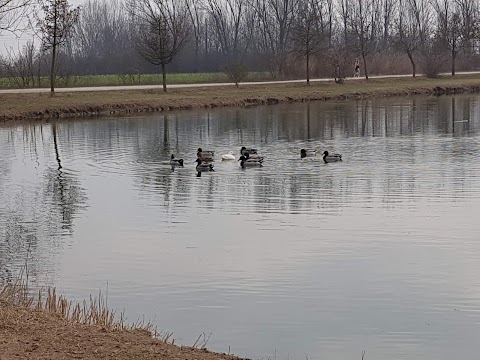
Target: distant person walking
356,69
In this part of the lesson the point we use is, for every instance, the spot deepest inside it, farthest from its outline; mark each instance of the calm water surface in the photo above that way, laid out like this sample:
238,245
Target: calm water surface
299,258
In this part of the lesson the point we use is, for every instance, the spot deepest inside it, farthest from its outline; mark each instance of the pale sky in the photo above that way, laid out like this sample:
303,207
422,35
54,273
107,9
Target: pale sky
10,41
14,42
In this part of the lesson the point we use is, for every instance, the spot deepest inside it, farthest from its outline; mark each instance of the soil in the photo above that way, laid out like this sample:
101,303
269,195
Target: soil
31,334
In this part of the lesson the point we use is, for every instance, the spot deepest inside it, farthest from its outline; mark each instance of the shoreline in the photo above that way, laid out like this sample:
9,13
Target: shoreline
41,106
51,327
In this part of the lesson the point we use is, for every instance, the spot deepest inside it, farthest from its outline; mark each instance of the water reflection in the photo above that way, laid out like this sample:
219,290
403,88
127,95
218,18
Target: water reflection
324,259
40,199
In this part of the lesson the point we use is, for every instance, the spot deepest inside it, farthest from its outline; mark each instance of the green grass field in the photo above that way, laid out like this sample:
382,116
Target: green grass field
131,79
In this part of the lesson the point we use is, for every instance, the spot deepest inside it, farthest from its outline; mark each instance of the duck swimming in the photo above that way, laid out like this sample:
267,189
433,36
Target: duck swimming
331,157
244,151
308,152
202,166
205,155
254,157
176,162
228,156
248,162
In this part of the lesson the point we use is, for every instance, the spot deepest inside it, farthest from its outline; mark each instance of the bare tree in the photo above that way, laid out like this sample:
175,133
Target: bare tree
448,28
306,35
236,73
275,22
345,16
13,14
324,11
102,41
232,25
408,38
163,30
364,24
198,24
21,66
388,8
470,22
56,29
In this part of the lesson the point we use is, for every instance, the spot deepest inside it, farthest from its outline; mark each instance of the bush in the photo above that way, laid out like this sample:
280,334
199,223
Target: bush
432,59
236,73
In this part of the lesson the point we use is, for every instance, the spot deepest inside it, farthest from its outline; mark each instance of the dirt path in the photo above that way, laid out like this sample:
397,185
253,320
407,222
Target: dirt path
28,334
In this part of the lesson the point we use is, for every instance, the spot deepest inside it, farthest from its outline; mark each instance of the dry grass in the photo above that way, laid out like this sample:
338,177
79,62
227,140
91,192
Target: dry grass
48,326
37,106
92,312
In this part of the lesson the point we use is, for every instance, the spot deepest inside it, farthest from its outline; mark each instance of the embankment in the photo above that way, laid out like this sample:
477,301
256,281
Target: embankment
41,106
54,328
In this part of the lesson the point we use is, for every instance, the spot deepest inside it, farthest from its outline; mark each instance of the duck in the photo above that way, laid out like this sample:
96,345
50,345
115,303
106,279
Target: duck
308,152
202,166
254,156
205,155
228,156
247,162
175,162
244,151
331,157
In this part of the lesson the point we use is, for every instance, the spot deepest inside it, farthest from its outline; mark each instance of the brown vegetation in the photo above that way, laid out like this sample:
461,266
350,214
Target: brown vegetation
54,328
39,106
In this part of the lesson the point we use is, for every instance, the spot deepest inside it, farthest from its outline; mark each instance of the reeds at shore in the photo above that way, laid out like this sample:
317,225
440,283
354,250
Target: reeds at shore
92,312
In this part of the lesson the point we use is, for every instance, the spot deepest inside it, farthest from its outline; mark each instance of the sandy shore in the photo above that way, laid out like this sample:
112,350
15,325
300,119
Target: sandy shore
31,334
35,106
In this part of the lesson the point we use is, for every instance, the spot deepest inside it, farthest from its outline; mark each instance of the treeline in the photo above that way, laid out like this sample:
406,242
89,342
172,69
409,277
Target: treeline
288,38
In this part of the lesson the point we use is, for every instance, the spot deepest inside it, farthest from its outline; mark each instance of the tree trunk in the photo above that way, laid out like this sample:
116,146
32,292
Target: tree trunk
52,70
54,51
206,37
365,66
410,56
308,68
453,62
164,77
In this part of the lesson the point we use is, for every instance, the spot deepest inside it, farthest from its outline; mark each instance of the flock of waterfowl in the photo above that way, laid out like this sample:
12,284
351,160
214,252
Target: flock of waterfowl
248,158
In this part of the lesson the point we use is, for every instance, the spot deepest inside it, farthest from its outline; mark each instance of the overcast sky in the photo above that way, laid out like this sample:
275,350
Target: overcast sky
10,41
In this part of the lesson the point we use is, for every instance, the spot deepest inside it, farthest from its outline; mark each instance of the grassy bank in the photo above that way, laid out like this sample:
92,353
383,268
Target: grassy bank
38,106
123,79
50,327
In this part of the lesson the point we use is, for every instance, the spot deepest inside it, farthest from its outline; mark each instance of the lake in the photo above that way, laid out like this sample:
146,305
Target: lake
379,252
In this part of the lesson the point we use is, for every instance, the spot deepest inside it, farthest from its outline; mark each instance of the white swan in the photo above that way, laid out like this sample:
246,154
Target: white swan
228,156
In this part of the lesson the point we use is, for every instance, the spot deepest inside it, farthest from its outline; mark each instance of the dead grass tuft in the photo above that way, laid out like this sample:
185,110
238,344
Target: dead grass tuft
92,312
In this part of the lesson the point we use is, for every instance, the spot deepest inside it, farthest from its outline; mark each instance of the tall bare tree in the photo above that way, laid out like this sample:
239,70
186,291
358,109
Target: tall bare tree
197,22
275,22
56,29
388,9
163,30
408,31
469,11
232,25
102,38
307,35
364,24
448,28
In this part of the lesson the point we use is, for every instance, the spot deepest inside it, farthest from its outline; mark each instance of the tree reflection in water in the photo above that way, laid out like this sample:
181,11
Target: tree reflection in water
40,207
